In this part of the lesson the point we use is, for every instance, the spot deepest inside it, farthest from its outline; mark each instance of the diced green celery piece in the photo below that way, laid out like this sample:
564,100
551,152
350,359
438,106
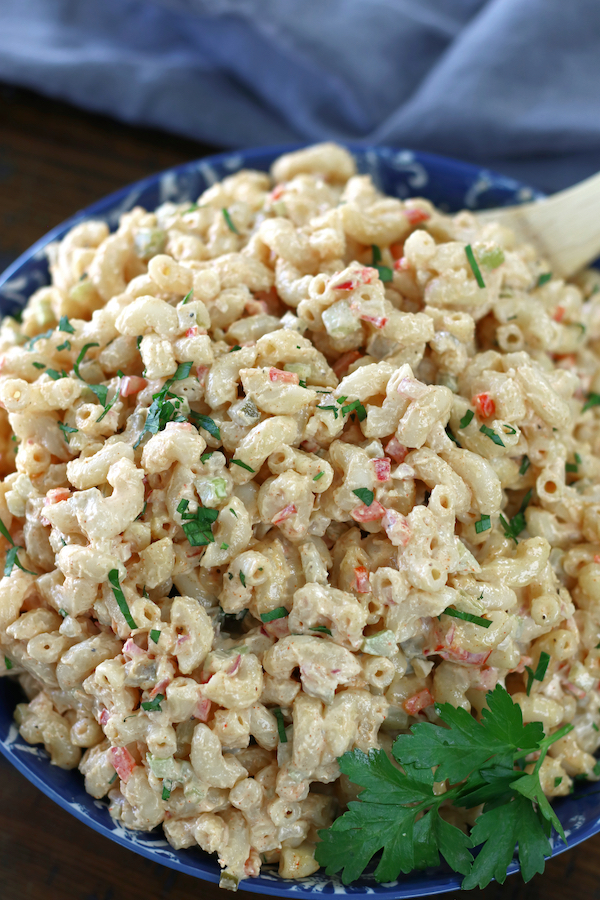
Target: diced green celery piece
339,320
220,487
229,881
149,242
164,768
491,257
301,369
43,312
383,643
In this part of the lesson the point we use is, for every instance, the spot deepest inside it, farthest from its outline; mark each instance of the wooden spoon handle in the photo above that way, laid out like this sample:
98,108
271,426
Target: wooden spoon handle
564,228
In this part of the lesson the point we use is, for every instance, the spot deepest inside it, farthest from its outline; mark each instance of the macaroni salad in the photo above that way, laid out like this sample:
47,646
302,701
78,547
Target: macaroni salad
282,469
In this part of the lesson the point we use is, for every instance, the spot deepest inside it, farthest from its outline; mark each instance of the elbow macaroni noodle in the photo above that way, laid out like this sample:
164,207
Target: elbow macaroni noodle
254,463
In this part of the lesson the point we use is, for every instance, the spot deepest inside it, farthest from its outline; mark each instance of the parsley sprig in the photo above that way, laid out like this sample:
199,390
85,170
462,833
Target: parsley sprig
197,526
398,812
165,405
385,273
11,557
515,526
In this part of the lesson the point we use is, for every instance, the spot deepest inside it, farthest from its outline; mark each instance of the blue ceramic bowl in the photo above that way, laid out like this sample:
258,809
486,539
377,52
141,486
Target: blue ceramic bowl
450,185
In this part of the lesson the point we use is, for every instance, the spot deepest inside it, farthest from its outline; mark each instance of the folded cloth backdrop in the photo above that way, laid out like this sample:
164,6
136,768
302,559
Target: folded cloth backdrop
509,84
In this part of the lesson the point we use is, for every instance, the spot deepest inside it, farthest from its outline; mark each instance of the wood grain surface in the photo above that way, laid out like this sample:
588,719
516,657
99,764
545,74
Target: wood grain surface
55,160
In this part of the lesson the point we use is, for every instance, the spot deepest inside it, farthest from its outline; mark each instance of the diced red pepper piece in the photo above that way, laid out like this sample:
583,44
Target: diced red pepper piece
123,762
287,377
559,314
345,361
376,321
361,574
415,215
402,264
56,495
344,286
236,665
396,450
485,406
255,307
413,705
132,384
397,250
202,710
284,514
159,688
383,468
368,513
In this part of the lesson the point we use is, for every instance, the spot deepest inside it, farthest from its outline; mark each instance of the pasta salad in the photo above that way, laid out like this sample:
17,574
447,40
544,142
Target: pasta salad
284,470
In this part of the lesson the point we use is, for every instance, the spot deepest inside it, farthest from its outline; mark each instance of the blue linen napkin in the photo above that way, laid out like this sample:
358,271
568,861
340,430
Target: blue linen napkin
509,84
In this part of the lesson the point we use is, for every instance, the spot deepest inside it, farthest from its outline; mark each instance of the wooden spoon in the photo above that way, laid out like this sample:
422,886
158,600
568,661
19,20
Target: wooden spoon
564,228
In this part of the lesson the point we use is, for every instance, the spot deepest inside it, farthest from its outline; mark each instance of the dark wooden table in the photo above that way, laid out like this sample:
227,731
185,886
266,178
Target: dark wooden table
55,160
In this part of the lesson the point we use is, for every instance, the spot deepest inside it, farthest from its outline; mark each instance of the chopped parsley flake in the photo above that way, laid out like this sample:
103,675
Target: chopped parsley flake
229,221
492,435
467,617
357,407
365,495
467,418
165,405
8,662
332,409
385,273
187,297
11,557
544,278
592,400
322,629
39,337
109,406
207,424
65,325
113,577
80,358
540,672
280,613
318,475
280,725
483,524
243,465
155,635
448,431
516,525
242,578
67,431
474,266
524,465
153,705
197,526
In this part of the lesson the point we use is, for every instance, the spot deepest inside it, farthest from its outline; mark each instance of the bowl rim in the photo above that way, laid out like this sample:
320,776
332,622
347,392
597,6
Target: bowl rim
266,883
